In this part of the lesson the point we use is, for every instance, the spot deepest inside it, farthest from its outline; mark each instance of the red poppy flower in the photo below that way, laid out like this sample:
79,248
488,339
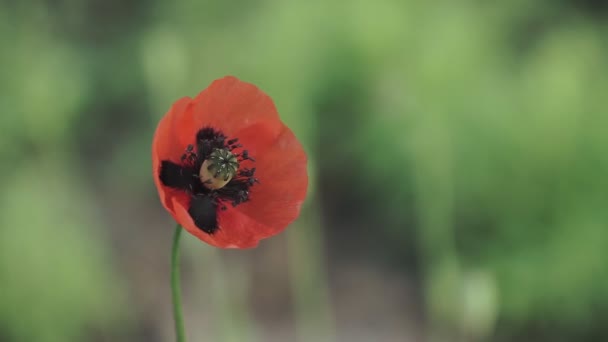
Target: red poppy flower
226,167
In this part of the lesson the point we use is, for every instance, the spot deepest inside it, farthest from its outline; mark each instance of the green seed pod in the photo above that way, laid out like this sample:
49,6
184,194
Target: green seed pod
218,169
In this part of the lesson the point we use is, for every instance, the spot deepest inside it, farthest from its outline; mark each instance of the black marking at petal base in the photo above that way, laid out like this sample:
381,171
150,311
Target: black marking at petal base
203,211
177,176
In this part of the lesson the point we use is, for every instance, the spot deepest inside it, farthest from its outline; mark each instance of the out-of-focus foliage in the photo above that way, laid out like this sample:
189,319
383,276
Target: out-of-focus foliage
462,142
55,276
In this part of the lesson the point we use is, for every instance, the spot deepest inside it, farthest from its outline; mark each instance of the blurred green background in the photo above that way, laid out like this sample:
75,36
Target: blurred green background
458,161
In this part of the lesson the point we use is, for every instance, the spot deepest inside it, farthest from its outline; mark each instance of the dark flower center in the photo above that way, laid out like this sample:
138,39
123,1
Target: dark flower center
213,158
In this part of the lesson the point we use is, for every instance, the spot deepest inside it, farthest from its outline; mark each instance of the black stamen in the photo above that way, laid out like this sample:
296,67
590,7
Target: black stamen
246,156
247,172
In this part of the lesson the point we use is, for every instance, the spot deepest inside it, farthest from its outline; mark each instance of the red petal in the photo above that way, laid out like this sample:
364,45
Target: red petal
230,105
234,230
259,138
166,145
281,169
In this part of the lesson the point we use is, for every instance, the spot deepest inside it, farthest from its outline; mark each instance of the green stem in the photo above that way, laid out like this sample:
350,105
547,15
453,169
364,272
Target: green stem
178,316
